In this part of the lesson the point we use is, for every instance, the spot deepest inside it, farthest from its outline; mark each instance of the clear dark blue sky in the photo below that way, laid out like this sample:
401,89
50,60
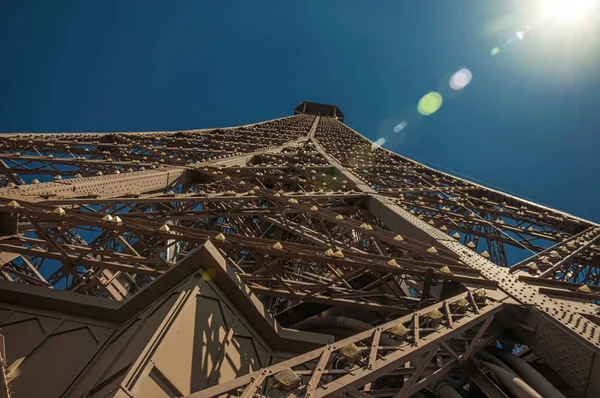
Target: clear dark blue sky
527,123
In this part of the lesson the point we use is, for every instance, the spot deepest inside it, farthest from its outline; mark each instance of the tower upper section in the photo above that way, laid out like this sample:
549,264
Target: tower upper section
314,108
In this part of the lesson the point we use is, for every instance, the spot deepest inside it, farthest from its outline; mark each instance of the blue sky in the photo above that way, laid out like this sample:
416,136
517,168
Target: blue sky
527,123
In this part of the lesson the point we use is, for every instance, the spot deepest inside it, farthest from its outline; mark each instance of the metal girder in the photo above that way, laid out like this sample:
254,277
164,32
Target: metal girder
366,358
552,258
567,313
308,213
105,186
147,230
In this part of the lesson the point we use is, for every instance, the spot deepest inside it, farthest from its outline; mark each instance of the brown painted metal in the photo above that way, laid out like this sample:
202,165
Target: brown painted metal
113,342
306,217
389,358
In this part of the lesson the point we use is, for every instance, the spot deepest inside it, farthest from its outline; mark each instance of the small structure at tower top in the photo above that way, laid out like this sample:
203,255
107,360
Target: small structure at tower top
314,108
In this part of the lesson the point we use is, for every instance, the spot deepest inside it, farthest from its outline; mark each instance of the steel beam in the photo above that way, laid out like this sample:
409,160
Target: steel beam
312,218
425,339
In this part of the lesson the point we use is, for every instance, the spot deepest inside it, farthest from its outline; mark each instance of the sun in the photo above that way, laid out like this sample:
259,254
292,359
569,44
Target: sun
567,10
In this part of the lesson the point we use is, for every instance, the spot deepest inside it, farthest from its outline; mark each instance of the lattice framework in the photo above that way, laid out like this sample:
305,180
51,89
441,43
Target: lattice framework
295,206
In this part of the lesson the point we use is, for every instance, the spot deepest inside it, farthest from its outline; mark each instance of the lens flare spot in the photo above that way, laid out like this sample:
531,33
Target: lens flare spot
399,127
520,34
430,103
461,79
495,51
378,144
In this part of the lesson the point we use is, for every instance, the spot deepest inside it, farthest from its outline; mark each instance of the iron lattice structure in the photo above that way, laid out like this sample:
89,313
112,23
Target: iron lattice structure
313,222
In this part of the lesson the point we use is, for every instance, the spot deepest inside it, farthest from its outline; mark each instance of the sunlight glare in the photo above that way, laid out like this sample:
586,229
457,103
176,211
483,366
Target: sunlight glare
567,10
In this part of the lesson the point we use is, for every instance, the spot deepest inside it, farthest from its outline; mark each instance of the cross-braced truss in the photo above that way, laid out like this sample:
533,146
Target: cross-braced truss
445,335
312,217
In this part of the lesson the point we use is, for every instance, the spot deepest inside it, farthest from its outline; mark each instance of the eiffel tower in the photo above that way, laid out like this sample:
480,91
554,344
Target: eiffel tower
286,258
